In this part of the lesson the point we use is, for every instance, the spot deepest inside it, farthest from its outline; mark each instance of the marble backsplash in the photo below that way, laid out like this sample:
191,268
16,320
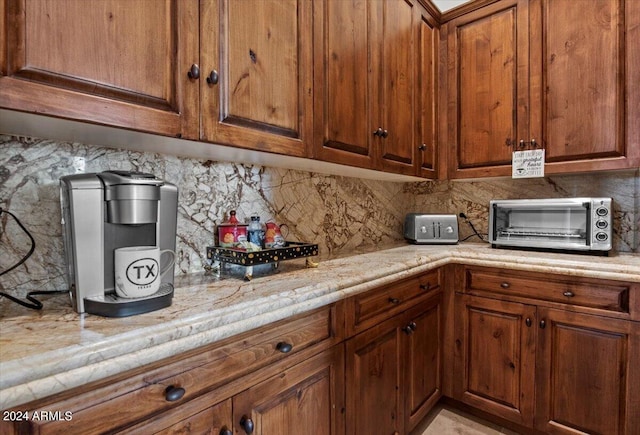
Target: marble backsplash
340,214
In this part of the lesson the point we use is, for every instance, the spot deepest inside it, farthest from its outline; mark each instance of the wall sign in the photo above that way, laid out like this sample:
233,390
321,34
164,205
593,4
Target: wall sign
528,164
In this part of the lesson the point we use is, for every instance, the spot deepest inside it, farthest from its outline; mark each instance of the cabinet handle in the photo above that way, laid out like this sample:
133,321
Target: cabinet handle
385,133
194,71
543,324
422,147
410,328
528,322
426,286
568,294
173,393
225,431
505,285
394,301
247,424
378,132
284,347
213,77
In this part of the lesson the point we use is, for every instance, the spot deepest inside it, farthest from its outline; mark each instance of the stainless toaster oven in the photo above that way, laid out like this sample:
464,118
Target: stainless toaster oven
572,224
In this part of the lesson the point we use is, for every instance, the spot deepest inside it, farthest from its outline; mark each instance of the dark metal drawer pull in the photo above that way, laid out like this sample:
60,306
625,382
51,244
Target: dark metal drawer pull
173,393
284,347
568,294
426,286
505,285
528,322
225,431
394,301
194,72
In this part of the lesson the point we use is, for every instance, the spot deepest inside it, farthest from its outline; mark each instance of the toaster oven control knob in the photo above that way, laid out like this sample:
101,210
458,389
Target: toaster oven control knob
602,224
423,229
602,211
601,237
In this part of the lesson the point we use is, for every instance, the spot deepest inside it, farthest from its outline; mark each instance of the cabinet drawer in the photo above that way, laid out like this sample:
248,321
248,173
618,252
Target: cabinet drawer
128,400
609,296
372,307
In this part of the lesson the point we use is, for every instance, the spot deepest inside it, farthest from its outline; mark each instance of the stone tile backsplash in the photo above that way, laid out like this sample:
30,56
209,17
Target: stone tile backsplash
340,214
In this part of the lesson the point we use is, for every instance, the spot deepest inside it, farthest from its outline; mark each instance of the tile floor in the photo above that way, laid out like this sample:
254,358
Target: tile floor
444,420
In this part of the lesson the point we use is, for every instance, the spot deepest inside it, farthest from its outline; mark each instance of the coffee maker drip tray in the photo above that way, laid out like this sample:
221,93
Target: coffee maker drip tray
110,305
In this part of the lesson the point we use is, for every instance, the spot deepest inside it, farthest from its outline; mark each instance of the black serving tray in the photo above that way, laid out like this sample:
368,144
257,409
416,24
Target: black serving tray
290,251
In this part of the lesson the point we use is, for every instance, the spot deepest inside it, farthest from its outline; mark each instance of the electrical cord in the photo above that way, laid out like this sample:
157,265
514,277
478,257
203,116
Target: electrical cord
35,304
475,232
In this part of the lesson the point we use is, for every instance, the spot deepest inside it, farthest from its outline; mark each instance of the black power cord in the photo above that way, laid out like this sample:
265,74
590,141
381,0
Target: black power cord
475,232
35,304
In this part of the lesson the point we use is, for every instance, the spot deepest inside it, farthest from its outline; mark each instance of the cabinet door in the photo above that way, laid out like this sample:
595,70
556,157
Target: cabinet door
583,98
494,357
395,39
429,42
343,104
257,75
112,62
587,374
374,385
422,358
488,88
307,398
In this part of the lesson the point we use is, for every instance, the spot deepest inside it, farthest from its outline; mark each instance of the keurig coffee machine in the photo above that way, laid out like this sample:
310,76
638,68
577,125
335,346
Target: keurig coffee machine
105,211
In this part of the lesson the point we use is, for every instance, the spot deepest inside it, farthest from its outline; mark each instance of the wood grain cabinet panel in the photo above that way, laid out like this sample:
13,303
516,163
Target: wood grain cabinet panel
495,362
374,84
257,78
394,370
555,72
111,62
587,374
554,367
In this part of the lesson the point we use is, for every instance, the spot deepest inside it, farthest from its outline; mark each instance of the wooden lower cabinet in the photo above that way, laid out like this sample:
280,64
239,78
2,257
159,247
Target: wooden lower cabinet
305,399
553,370
495,361
587,374
393,371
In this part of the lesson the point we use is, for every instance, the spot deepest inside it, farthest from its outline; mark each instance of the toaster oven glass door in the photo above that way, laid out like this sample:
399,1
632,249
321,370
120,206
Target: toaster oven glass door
558,225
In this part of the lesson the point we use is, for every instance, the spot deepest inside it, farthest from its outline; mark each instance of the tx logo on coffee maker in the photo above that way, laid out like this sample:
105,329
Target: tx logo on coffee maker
142,271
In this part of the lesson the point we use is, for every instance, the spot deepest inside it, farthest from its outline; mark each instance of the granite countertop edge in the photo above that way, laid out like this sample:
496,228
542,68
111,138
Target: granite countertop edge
43,374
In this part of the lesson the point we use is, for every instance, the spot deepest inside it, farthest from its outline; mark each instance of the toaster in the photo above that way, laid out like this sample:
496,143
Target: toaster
422,228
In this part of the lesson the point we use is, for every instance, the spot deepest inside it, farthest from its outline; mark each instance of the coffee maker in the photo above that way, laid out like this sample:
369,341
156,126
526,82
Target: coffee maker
105,211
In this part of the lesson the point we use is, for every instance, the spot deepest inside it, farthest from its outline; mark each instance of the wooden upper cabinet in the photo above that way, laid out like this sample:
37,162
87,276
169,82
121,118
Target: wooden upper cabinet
584,53
368,68
558,72
487,87
257,77
113,62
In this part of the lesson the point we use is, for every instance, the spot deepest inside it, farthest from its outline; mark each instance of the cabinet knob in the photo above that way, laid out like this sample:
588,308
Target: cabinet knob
213,77
247,424
505,285
543,324
528,322
422,147
385,133
225,431
426,286
173,393
410,328
378,132
284,347
568,294
194,71
394,301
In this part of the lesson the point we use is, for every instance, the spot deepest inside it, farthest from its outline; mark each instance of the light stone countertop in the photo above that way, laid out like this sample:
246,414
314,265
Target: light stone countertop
49,351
